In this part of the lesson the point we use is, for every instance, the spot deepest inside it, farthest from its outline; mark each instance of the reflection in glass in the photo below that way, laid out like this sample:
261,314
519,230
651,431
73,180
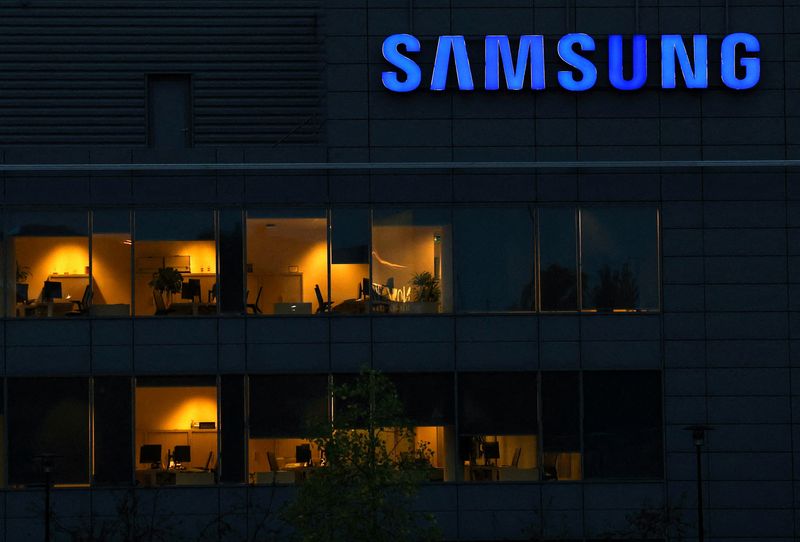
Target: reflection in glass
49,253
619,258
622,424
287,259
411,264
561,426
350,279
494,259
111,263
558,278
176,263
48,416
285,411
498,427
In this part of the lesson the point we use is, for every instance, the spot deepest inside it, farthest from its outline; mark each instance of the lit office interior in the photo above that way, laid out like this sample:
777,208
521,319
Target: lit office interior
344,261
287,261
175,271
176,430
498,426
285,410
158,431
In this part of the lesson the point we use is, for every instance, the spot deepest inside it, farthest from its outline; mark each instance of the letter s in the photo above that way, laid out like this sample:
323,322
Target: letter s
402,62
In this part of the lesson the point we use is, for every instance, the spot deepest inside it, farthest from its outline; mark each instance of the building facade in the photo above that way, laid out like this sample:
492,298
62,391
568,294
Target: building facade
211,211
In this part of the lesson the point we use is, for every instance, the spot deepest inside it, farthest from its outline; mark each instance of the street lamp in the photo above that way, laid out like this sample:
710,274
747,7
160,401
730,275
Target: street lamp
47,463
699,439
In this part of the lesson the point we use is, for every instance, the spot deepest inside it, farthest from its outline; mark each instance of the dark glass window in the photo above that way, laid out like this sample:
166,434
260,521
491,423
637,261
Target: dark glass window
229,292
558,276
232,429
350,277
176,262
113,430
561,425
48,416
412,270
429,404
285,412
622,424
50,253
619,258
498,438
287,261
494,259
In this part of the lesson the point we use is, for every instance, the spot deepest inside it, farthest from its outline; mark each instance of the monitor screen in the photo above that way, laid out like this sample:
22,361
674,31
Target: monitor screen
302,453
51,290
22,292
183,454
491,450
150,453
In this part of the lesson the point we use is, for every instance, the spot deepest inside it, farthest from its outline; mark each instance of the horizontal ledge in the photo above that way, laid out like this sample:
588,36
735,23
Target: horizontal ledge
377,166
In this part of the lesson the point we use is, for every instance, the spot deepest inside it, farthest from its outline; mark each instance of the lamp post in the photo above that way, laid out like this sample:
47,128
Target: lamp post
699,439
47,464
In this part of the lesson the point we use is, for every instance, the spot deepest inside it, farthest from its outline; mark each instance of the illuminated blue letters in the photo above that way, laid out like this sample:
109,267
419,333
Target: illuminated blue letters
672,46
616,66
442,62
583,65
394,57
515,76
740,67
751,65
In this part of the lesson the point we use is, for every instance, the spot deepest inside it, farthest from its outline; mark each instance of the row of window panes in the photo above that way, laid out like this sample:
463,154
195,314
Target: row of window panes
340,261
587,425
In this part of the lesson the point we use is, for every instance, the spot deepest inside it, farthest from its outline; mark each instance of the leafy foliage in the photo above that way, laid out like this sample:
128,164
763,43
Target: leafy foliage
374,469
167,279
426,287
617,289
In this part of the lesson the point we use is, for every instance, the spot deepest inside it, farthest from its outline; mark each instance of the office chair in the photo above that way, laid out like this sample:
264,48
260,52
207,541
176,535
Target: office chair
515,459
254,306
324,306
82,307
273,461
212,293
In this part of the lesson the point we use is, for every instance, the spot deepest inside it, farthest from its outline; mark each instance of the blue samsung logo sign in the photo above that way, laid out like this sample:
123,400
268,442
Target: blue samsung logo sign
740,68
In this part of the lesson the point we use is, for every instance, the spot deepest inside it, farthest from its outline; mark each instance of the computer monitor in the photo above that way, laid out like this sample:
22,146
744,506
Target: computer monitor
302,453
191,289
22,292
182,454
150,453
51,290
491,450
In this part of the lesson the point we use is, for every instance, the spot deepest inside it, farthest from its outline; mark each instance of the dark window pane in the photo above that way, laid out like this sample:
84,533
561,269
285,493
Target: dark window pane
427,399
497,403
230,291
558,277
350,240
494,259
619,258
113,430
287,405
232,430
48,415
622,424
561,421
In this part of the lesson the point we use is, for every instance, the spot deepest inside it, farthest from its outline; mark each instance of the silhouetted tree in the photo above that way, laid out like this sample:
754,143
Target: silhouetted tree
616,289
559,288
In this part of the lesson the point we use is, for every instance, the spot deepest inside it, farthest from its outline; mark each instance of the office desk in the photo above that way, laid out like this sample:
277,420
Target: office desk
482,473
39,309
172,477
281,477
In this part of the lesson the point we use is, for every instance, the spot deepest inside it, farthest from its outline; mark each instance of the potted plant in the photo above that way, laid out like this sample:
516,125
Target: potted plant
167,280
23,272
425,293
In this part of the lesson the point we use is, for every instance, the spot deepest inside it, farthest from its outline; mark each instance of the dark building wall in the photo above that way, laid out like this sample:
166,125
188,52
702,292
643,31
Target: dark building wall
726,339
